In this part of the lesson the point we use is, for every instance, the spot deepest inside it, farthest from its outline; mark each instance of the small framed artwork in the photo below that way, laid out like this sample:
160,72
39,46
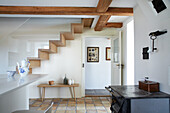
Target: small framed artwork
92,54
108,53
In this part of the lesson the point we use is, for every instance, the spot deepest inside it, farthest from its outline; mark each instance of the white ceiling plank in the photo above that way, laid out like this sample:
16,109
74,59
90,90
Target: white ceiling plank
68,3
123,3
48,16
117,18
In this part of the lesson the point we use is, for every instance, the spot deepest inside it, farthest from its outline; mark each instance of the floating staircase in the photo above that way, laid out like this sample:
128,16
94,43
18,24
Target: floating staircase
43,54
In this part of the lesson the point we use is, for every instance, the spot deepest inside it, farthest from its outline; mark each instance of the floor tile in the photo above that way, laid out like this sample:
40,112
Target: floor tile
98,104
81,105
73,111
42,108
89,105
105,102
71,105
71,108
80,108
95,97
36,104
61,108
81,111
62,105
63,102
89,102
100,108
80,102
44,105
60,111
91,111
54,108
70,102
101,111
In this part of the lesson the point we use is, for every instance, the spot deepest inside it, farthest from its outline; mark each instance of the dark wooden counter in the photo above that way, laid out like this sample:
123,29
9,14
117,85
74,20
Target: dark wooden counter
133,92
131,99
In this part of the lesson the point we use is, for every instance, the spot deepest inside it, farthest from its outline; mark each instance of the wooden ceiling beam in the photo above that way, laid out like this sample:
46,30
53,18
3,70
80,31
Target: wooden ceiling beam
101,22
114,24
87,22
36,10
120,11
103,5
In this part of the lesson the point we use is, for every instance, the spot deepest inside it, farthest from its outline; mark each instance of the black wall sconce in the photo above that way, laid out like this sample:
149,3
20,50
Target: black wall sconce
153,37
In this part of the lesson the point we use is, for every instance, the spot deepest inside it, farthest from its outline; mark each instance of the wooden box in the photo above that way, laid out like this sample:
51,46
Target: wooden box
149,86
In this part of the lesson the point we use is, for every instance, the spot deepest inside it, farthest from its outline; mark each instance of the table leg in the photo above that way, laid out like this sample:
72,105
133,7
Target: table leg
74,93
71,92
43,93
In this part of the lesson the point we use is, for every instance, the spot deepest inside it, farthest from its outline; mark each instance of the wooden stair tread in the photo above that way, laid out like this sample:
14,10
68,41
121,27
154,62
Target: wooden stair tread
43,54
61,42
77,27
34,62
68,35
47,50
58,43
35,59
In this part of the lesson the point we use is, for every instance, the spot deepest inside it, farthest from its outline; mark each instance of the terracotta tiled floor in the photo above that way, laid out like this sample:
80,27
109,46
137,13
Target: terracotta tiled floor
81,105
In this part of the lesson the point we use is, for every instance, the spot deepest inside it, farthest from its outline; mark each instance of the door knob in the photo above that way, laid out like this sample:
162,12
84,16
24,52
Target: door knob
120,65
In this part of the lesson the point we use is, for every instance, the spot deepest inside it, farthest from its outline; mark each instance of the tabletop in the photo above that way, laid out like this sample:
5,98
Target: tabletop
58,85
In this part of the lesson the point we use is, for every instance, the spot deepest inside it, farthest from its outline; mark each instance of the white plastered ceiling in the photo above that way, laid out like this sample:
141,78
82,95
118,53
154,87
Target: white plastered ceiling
66,3
45,24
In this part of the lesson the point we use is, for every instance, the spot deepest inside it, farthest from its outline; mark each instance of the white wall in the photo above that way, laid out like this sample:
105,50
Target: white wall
25,36
15,50
66,61
124,49
156,68
97,74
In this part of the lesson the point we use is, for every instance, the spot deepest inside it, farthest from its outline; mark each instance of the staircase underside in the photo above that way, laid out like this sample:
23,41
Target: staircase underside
43,54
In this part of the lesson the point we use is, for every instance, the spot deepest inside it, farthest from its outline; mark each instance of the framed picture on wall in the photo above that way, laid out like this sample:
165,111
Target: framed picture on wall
108,53
92,54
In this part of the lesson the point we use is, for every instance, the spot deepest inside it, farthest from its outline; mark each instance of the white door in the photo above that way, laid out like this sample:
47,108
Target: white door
116,61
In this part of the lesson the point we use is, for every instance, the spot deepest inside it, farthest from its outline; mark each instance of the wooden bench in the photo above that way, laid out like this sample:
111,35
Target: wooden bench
43,86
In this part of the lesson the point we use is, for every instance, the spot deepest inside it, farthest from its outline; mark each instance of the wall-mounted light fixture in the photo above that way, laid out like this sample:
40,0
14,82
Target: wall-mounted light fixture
153,37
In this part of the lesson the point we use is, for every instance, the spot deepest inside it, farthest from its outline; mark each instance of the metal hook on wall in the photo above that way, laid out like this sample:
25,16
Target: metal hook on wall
153,37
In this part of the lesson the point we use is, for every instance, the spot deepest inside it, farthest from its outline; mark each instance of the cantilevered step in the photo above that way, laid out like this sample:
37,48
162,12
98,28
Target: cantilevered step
68,35
61,42
76,27
47,50
43,55
34,62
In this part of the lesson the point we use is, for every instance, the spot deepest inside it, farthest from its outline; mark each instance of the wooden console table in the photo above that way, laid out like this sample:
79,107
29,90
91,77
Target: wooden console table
43,86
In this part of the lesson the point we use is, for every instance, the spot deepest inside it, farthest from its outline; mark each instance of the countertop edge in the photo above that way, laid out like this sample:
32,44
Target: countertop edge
11,90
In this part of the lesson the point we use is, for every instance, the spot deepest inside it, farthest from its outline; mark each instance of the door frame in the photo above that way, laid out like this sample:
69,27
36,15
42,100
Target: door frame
120,71
84,59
